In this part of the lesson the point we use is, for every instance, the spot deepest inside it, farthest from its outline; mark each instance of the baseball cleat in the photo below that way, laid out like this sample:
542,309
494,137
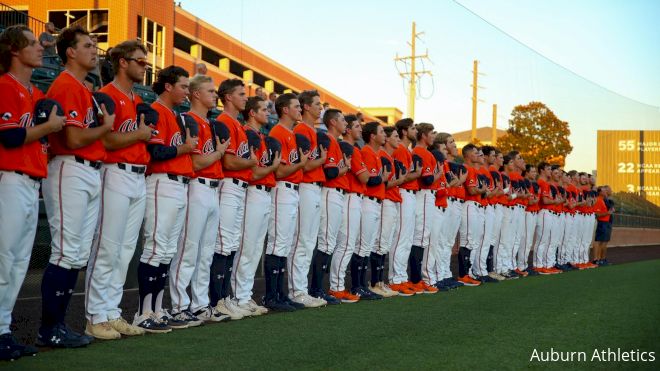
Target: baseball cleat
285,299
149,322
321,294
187,316
531,271
366,294
209,314
345,296
496,276
174,323
412,287
377,290
11,349
469,281
101,331
426,289
308,301
275,305
401,289
120,325
388,292
61,336
521,272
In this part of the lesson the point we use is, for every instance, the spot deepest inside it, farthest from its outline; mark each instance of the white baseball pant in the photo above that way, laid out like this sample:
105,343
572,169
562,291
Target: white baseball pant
19,212
472,229
123,203
527,240
424,214
349,232
498,215
518,230
545,221
587,237
556,239
449,232
404,238
480,267
167,201
432,263
440,230
369,225
309,219
389,222
503,248
72,195
283,219
192,262
252,243
332,207
232,207
568,245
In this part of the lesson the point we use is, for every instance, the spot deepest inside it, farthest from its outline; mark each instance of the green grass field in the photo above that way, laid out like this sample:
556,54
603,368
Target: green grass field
496,326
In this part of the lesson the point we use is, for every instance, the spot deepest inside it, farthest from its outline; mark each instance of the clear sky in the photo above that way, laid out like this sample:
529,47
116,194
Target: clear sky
348,47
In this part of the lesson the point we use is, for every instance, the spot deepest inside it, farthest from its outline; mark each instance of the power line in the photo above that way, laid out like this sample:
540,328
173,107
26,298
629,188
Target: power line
552,61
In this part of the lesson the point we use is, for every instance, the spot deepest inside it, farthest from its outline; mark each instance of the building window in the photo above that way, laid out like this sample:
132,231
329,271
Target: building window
95,21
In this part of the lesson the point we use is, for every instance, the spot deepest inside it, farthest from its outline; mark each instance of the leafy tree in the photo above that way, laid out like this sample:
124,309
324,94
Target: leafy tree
537,134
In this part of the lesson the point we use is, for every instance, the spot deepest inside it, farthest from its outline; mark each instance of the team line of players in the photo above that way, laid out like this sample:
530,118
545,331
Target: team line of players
209,194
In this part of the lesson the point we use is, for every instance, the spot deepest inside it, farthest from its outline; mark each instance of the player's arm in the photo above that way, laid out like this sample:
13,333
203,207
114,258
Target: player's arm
284,171
313,164
78,137
202,161
232,162
18,136
116,140
261,172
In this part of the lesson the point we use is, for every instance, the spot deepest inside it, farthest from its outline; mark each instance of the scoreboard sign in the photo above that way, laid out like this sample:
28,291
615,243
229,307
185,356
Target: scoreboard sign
629,161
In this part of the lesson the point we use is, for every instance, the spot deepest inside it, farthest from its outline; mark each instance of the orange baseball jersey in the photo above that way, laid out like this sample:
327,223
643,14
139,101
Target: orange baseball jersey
544,190
238,146
314,175
403,155
169,134
205,145
262,155
289,151
535,207
375,168
76,100
357,167
472,181
391,193
429,165
491,186
583,189
335,158
16,108
572,189
558,207
600,208
443,191
126,120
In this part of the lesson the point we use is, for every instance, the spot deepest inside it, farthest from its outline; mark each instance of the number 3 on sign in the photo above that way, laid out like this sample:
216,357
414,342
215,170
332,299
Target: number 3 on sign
626,145
631,188
626,167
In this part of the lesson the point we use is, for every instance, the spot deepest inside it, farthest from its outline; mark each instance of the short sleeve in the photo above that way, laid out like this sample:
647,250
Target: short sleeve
71,102
10,111
357,164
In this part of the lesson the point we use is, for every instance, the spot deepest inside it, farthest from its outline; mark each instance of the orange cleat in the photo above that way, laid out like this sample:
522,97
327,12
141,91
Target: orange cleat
426,289
344,296
402,289
413,287
469,281
522,273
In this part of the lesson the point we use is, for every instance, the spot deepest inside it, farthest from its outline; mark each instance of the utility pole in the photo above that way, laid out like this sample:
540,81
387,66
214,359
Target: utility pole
413,75
475,86
494,140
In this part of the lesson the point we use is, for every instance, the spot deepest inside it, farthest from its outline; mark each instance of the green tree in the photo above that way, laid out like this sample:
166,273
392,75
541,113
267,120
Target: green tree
537,134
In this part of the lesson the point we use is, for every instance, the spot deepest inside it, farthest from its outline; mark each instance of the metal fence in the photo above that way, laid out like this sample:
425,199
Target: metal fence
635,221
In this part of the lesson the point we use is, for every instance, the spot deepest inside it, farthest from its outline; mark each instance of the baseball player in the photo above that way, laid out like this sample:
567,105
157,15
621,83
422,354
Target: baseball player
123,198
493,160
72,189
531,214
168,175
309,207
504,259
22,167
455,202
590,220
439,258
488,200
518,217
422,258
256,216
398,274
545,221
472,219
349,230
557,231
237,164
374,137
192,262
333,199
284,204
570,223
389,213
